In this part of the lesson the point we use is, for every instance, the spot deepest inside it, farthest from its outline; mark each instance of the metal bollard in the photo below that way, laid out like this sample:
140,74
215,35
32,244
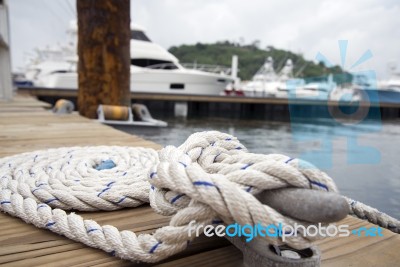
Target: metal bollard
303,204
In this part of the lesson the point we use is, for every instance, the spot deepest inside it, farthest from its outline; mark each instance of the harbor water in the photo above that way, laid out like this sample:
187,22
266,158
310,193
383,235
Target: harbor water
374,183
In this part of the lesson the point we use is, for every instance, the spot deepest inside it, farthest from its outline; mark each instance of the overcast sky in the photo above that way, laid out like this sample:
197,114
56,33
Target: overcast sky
307,27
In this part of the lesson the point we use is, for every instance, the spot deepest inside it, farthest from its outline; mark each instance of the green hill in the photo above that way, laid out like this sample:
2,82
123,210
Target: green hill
251,58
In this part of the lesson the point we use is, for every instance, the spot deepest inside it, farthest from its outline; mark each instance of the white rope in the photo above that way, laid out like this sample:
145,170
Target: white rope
373,215
211,178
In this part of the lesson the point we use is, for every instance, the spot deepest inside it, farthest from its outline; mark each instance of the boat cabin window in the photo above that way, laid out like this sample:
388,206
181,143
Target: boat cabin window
153,63
139,35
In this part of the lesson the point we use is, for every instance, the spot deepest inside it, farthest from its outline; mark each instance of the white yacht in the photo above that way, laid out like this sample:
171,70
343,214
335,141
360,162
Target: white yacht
384,91
364,87
153,69
393,83
267,83
311,91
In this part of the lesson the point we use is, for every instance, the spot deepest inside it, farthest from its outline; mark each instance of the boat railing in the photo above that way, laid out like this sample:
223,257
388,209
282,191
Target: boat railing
208,68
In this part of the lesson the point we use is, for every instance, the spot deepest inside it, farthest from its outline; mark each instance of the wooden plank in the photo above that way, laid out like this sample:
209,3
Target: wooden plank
24,101
25,245
221,257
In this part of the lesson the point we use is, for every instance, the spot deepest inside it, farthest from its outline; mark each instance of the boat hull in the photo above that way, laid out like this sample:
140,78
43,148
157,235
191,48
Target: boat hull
382,96
152,81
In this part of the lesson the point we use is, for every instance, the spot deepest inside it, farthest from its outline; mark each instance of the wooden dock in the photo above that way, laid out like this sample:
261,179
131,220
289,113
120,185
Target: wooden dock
71,93
263,108
26,125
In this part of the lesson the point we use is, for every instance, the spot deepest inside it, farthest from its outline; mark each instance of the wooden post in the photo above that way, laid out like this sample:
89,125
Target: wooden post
104,54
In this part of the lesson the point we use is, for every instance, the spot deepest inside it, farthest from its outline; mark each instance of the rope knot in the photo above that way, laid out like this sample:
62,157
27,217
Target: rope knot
214,171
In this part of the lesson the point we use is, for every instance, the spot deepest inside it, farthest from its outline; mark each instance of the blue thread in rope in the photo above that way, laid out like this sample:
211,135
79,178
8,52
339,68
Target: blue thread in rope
217,221
122,199
201,152
228,139
152,174
34,190
246,166
289,160
50,200
124,174
154,248
41,206
152,187
50,224
184,165
92,229
110,183
104,190
215,158
176,198
112,253
249,188
205,183
239,148
319,184
5,202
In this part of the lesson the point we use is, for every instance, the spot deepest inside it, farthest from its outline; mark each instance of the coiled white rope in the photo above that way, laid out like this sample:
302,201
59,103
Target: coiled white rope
211,178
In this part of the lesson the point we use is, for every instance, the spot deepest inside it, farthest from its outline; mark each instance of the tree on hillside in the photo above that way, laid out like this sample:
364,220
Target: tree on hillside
251,58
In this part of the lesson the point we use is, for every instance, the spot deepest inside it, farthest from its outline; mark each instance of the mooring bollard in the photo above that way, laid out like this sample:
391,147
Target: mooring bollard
303,204
259,253
63,106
